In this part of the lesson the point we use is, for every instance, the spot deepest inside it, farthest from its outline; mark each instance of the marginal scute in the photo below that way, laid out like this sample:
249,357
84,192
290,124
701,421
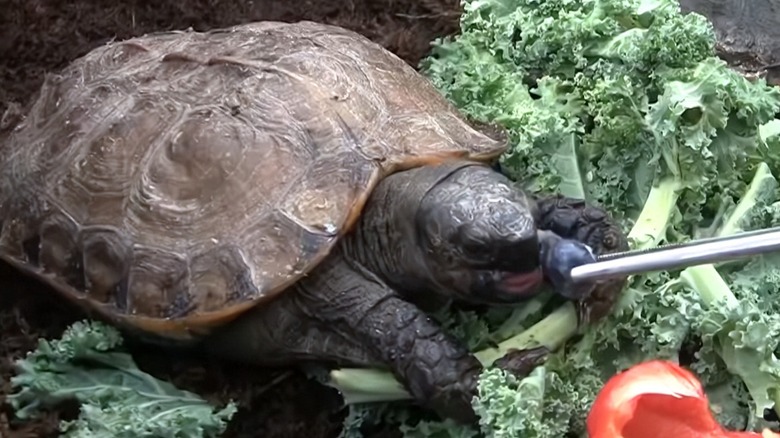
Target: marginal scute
285,247
218,270
156,278
107,256
60,254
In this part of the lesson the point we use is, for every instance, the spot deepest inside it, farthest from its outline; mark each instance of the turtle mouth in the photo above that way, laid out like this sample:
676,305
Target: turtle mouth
521,283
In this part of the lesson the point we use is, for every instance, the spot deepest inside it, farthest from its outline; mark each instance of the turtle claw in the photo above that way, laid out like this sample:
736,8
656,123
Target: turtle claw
521,362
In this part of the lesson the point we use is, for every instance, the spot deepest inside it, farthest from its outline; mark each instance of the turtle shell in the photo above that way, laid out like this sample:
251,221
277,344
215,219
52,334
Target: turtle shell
171,181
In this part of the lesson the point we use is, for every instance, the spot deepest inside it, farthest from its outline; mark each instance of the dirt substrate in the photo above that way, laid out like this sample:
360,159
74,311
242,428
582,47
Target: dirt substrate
43,35
39,36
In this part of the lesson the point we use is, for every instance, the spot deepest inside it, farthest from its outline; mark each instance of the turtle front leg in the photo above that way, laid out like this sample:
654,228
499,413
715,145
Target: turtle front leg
344,314
574,219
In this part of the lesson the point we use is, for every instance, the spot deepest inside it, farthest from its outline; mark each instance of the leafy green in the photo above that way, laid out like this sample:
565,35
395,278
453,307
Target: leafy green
116,398
625,104
594,91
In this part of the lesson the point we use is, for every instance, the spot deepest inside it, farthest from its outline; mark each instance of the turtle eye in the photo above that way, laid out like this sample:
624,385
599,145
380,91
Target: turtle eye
475,244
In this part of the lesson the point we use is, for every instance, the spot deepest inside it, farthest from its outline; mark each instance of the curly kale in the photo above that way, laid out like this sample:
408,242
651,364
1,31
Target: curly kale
117,399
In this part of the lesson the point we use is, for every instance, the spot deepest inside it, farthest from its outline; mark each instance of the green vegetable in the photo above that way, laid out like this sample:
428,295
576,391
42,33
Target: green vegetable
117,399
740,330
622,103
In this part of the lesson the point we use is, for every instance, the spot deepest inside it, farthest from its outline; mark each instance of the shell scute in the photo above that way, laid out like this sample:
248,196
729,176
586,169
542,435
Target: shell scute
157,277
107,255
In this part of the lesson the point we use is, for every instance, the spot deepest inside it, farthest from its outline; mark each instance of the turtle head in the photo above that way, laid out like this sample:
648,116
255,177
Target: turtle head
481,241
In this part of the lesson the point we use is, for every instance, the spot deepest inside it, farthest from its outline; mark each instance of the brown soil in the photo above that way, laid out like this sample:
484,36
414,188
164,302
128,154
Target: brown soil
40,36
37,36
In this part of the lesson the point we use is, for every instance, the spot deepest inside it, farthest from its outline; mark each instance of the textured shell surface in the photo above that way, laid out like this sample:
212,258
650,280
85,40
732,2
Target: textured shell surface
173,180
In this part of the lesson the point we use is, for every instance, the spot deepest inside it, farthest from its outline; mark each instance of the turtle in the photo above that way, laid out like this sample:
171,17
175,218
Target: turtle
278,193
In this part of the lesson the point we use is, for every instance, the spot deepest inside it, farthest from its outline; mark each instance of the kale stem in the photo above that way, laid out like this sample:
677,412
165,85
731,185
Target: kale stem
705,279
653,220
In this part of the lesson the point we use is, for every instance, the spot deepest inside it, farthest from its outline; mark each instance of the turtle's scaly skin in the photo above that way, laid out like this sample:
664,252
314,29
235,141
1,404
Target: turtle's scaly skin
279,192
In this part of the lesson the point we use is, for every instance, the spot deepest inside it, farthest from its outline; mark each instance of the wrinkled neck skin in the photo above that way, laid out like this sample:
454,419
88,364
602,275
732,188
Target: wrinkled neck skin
409,208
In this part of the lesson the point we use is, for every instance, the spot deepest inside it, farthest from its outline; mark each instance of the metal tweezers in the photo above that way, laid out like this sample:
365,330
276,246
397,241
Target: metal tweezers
679,256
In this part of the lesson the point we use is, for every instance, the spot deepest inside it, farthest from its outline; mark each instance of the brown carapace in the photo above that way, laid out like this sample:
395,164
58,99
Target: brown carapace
174,180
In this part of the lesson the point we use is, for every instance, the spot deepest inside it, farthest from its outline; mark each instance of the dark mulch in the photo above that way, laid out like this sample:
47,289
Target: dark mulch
39,36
